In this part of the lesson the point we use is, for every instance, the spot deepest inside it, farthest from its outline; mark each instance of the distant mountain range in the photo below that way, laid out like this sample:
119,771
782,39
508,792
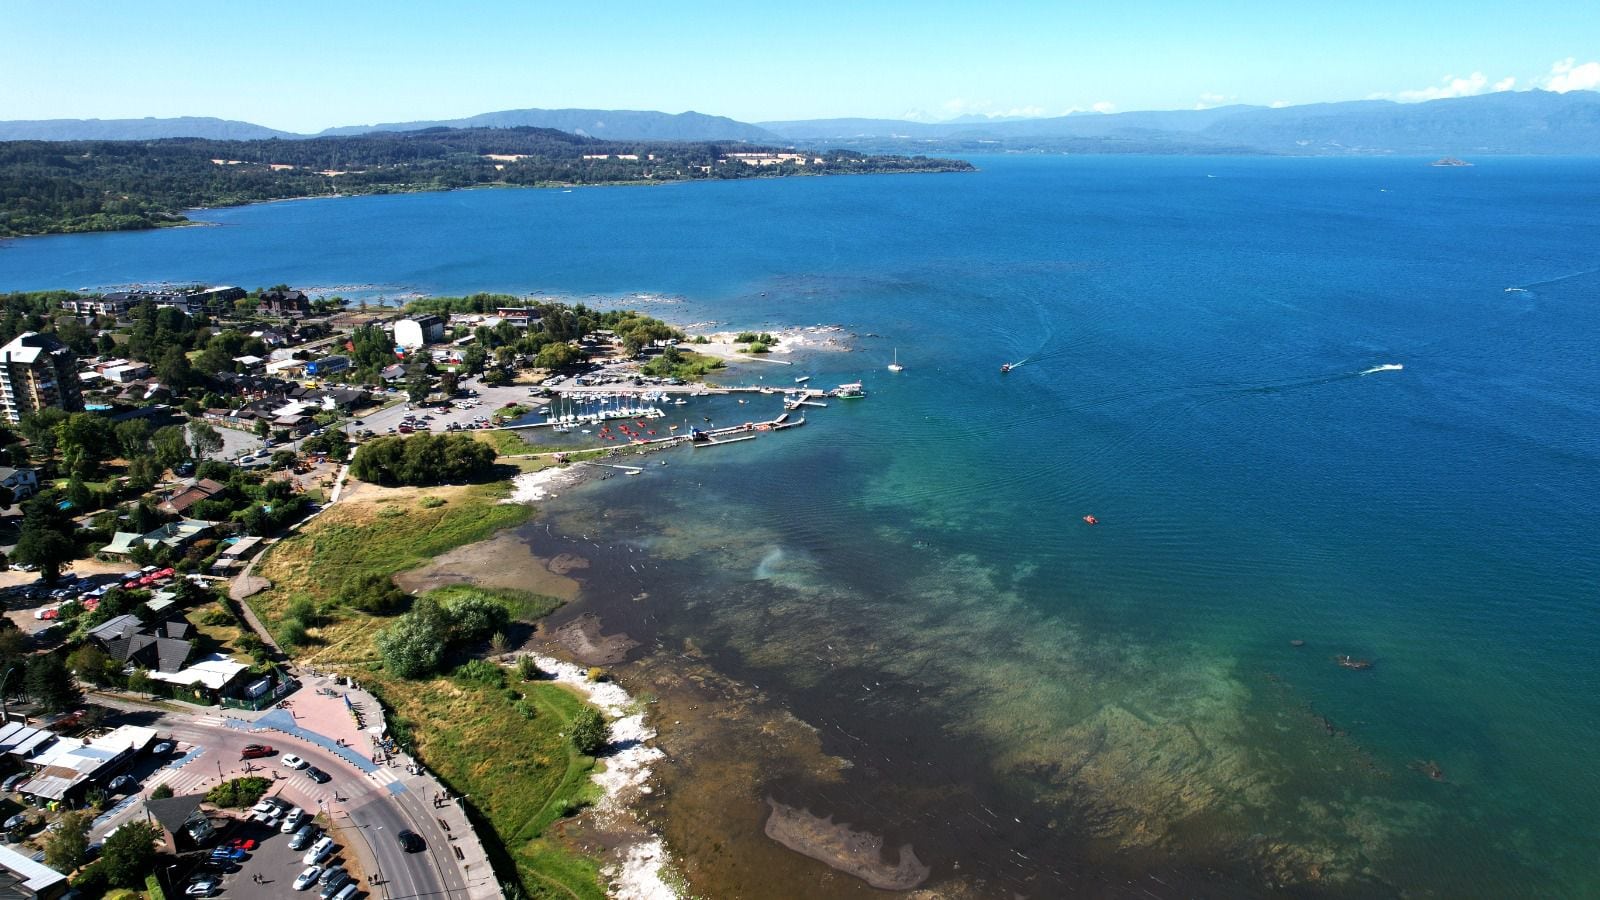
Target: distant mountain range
1531,122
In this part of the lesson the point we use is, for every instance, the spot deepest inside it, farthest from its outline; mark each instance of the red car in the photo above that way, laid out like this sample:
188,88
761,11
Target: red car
242,844
256,751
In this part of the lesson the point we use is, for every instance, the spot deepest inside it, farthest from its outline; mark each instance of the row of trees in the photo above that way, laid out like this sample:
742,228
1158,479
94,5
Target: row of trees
423,459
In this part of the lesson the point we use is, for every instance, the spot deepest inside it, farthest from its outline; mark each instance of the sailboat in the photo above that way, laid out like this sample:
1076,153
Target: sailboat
895,366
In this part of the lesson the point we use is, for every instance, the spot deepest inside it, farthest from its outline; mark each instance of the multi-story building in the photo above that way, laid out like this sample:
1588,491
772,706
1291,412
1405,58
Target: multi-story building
37,371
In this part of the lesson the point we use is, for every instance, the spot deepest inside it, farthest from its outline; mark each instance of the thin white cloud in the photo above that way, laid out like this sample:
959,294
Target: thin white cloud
1209,100
1450,86
1104,106
1567,75
1505,84
1279,104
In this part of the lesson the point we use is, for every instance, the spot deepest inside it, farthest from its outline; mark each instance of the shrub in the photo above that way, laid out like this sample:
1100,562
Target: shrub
481,671
596,674
528,669
292,633
219,615
525,709
239,792
374,594
414,645
589,731
477,616
162,792
431,502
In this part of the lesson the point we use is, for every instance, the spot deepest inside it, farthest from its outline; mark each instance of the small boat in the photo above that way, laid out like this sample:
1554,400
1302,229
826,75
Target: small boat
1004,368
895,366
851,391
1091,520
679,402
802,379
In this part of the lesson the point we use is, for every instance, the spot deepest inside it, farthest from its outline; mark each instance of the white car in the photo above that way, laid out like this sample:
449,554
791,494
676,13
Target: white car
308,877
319,851
294,762
292,821
266,805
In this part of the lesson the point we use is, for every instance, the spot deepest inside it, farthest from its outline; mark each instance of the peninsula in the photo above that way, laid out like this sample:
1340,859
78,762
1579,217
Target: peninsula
54,187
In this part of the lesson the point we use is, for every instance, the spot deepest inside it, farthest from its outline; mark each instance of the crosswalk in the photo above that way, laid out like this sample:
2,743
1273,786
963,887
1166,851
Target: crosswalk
197,778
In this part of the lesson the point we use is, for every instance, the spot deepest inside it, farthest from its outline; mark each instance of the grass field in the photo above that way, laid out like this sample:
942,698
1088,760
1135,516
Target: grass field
520,772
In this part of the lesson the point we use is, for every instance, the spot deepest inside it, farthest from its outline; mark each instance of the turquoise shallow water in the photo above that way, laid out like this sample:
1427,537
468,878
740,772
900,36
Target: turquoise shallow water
911,574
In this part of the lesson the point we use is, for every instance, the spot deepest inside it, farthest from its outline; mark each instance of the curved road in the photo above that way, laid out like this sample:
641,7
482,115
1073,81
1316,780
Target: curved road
374,804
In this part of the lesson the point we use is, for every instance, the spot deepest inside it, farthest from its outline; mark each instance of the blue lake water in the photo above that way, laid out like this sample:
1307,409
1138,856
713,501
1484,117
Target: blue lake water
1198,337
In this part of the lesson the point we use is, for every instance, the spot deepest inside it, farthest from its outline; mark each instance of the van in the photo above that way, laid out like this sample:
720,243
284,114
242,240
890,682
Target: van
319,851
347,892
303,838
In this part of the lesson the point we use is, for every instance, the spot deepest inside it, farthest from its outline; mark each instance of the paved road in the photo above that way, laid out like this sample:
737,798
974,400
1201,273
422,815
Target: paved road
367,801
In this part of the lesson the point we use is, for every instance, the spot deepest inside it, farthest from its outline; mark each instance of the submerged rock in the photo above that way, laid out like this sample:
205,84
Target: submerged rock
836,844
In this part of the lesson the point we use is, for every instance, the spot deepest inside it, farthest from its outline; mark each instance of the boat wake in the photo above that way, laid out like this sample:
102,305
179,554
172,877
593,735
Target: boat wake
1386,367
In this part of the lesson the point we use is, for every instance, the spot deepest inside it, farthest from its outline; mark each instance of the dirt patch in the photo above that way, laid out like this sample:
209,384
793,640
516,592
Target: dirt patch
504,561
583,639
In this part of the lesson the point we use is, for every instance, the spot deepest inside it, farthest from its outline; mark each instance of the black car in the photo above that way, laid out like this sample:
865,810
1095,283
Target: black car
410,841
317,775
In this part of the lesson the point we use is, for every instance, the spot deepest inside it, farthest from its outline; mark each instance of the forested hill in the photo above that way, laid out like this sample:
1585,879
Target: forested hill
67,186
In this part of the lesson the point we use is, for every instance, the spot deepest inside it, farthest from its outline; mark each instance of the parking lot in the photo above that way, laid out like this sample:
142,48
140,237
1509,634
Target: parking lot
488,399
270,866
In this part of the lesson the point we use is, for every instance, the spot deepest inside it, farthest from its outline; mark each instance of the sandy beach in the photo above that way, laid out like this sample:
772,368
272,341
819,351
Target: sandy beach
807,339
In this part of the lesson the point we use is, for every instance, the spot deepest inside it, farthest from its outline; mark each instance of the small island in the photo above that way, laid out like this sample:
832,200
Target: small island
1451,161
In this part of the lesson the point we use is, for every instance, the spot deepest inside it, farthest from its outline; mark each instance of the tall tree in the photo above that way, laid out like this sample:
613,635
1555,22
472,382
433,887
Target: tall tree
45,537
67,847
204,439
86,442
51,684
130,854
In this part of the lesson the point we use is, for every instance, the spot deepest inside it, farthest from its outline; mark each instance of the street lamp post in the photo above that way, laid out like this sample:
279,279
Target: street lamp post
5,707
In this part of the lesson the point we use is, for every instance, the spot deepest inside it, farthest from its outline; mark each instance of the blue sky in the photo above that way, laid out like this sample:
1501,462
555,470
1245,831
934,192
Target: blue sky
303,66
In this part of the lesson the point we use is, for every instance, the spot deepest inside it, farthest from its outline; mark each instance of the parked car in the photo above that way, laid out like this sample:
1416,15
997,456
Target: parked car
335,886
161,749
410,841
305,837
232,854
319,851
332,874
294,762
317,775
122,784
16,821
292,821
348,893
256,751
11,782
242,843
308,877
203,886
266,805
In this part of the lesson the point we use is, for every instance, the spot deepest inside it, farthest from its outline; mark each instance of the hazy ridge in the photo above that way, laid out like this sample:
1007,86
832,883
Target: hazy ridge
1523,122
